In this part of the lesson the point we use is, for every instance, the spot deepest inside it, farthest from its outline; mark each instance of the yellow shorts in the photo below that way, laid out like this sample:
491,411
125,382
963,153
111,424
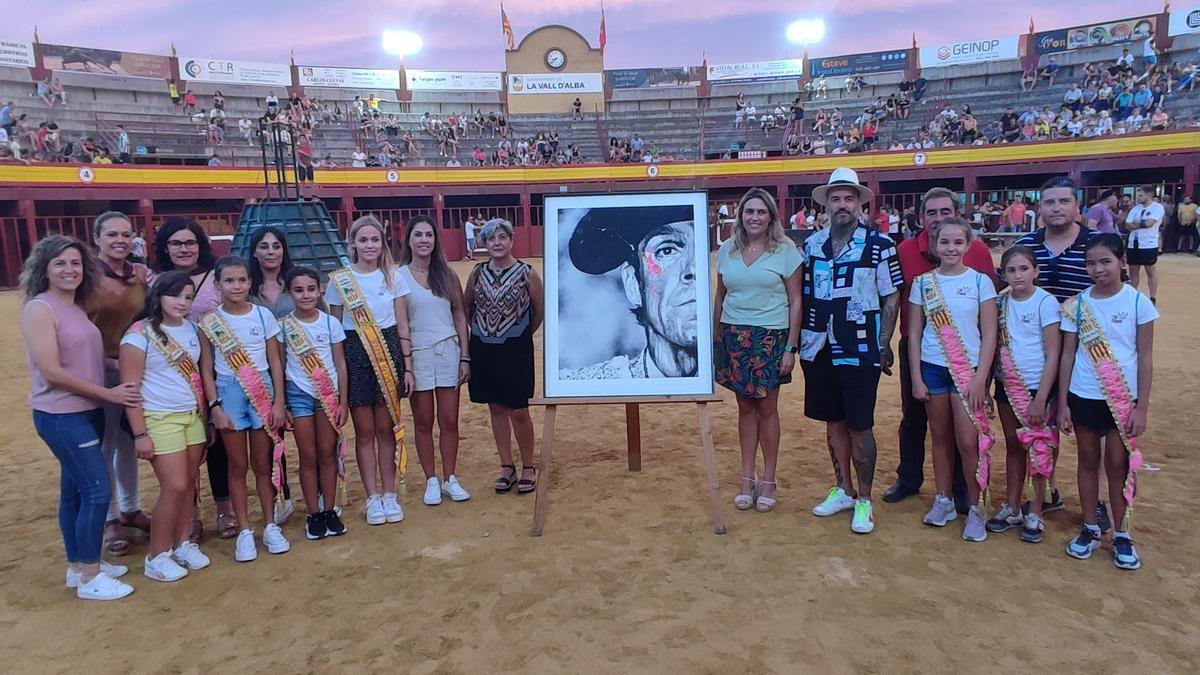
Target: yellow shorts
174,432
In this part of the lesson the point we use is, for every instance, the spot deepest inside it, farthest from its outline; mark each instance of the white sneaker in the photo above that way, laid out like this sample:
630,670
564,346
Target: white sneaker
433,492
274,541
103,587
864,519
452,487
835,502
391,508
374,510
283,511
163,567
245,550
114,571
189,555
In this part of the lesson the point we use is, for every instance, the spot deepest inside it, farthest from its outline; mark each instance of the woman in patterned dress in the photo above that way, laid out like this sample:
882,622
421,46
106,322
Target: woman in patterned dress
504,307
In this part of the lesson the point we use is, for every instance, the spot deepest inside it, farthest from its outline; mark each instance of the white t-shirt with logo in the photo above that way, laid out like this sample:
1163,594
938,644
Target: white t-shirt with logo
1024,321
381,299
1119,318
323,333
963,293
252,329
1145,238
164,389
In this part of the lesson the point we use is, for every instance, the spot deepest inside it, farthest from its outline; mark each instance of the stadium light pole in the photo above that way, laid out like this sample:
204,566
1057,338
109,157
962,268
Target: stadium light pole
401,43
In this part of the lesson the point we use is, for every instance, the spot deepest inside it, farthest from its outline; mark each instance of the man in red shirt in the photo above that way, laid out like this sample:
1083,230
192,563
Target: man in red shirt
937,205
1013,218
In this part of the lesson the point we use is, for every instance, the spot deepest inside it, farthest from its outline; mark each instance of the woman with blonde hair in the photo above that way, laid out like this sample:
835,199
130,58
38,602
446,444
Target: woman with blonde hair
370,298
756,329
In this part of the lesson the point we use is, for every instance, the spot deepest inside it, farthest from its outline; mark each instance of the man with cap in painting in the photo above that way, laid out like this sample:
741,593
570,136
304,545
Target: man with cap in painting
851,297
653,249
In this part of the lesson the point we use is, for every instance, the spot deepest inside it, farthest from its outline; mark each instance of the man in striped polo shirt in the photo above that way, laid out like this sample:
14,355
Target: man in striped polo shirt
1058,246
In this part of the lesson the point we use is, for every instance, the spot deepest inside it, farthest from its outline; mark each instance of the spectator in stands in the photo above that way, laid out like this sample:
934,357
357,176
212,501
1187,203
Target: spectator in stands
822,87
246,129
216,135
173,92
304,159
1123,105
1159,120
10,148
1029,77
1073,98
502,127
218,101
213,161
358,159
8,117
1123,64
123,155
373,105
1010,125
1049,72
576,109
189,101
272,103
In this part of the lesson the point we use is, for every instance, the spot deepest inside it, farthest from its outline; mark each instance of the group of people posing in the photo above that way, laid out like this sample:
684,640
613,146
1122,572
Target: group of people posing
203,361
1067,345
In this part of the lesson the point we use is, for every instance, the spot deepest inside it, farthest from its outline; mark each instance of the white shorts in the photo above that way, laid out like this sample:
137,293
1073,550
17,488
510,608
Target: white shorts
437,366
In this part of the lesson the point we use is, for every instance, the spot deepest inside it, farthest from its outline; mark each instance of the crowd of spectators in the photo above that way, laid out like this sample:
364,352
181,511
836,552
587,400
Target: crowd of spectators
635,150
21,141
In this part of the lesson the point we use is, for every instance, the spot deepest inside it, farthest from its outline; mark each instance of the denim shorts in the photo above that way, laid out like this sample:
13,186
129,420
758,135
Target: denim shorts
236,405
937,379
299,403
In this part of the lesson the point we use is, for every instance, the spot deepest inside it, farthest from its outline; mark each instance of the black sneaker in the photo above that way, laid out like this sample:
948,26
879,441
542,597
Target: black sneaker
1124,554
333,523
314,525
1032,528
1081,547
1102,518
1055,504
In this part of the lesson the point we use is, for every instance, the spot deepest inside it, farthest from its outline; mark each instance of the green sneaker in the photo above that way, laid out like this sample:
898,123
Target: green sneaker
864,521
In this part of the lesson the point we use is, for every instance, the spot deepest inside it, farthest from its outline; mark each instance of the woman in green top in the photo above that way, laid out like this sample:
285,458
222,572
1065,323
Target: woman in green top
756,320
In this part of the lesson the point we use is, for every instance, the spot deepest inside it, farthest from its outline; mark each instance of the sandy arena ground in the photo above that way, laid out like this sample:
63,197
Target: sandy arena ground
629,576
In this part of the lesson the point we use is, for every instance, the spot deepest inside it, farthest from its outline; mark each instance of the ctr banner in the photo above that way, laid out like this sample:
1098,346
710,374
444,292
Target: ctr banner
440,80
757,71
970,51
1186,21
859,64
1095,35
645,78
18,54
556,83
349,78
105,61
235,72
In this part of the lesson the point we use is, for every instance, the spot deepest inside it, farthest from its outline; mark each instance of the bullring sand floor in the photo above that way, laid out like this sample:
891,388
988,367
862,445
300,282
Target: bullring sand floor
629,577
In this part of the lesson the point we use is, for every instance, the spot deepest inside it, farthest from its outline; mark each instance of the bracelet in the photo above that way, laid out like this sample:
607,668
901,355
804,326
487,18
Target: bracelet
407,356
465,359
405,339
138,437
214,403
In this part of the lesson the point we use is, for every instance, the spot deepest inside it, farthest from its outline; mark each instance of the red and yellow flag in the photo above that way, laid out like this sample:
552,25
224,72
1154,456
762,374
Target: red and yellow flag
603,32
507,28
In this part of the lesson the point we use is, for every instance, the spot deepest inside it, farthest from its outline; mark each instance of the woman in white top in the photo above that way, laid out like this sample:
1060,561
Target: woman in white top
438,322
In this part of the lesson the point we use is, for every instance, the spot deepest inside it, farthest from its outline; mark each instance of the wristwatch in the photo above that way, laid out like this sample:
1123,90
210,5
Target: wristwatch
214,403
138,437
790,348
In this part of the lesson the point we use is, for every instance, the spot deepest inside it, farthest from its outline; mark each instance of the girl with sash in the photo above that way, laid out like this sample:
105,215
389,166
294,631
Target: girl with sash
181,244
119,297
169,425
1104,392
951,331
241,363
317,398
1027,354
503,300
441,363
371,301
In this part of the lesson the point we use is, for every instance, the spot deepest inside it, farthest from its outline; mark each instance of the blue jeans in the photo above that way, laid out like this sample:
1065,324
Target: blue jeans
84,490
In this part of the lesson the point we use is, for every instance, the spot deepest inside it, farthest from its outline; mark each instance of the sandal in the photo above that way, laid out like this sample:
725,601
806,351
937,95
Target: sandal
765,504
504,483
227,527
138,520
114,538
745,500
527,485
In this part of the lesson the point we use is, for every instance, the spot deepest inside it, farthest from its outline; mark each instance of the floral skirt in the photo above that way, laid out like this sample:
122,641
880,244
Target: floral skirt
747,359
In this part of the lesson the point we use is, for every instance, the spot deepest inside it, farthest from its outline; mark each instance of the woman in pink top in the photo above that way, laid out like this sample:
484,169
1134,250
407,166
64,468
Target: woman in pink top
67,388
181,244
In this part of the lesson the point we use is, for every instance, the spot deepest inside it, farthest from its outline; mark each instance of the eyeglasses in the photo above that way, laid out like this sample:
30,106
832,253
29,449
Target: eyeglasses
183,243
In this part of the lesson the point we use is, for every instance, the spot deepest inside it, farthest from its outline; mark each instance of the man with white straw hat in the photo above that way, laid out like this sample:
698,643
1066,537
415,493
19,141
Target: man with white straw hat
851,297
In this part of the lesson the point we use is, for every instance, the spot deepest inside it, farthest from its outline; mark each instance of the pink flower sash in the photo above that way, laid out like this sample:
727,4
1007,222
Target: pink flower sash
303,350
1039,442
253,383
937,314
1111,377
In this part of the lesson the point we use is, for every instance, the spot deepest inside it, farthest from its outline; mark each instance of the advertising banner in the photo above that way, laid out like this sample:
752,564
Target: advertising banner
15,53
349,78
441,80
859,64
1095,35
556,83
105,62
1186,21
970,51
644,78
234,72
757,71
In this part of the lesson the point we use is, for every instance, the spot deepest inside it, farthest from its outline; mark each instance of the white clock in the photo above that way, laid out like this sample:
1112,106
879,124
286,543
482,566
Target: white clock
555,59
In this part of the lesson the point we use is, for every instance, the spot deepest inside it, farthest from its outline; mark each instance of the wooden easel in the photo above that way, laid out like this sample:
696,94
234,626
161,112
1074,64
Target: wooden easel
633,438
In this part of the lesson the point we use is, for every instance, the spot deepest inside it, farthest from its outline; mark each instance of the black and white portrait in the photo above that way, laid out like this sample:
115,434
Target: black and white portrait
628,309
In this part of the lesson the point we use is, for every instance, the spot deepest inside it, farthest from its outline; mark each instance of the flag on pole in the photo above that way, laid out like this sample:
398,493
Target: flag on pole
507,28
603,32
